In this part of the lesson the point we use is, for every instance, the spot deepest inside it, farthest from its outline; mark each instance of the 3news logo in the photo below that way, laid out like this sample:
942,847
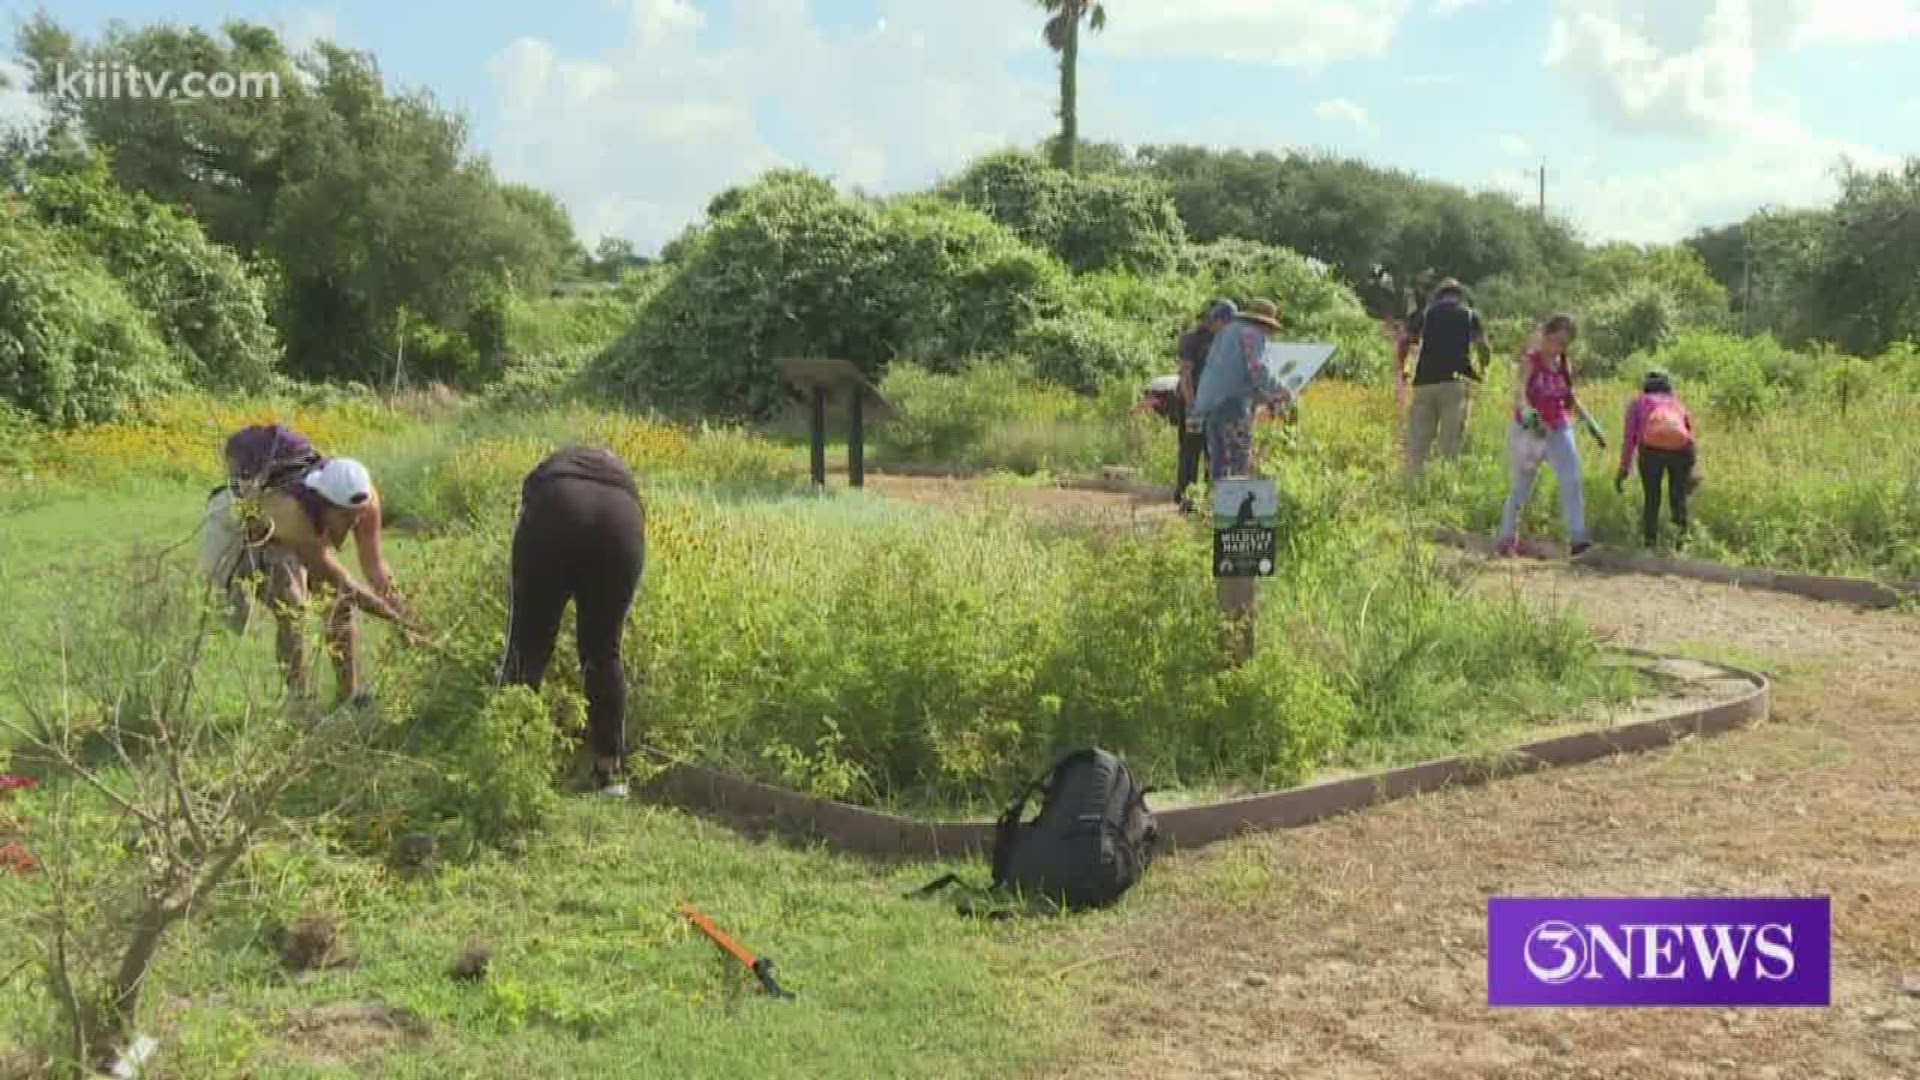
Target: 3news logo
1733,952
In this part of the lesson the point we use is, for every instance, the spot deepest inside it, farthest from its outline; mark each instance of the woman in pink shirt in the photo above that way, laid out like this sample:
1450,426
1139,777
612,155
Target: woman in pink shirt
1542,432
1661,429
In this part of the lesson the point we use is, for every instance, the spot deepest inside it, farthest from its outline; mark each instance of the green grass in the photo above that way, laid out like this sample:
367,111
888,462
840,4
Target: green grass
1795,479
593,974
823,641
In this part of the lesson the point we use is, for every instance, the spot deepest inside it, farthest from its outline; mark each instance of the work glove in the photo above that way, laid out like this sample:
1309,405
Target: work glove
1530,419
1620,483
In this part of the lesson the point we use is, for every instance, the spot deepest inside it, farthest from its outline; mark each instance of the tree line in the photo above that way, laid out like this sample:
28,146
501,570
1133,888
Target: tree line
381,246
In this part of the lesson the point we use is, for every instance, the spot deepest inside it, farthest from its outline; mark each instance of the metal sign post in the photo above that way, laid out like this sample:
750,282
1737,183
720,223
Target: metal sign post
820,378
1244,537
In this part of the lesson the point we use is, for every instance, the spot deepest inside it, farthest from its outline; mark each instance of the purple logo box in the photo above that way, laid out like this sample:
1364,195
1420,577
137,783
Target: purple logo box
1735,952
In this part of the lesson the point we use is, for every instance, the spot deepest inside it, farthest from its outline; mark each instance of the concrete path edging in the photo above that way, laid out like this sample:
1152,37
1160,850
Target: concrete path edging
879,835
1838,590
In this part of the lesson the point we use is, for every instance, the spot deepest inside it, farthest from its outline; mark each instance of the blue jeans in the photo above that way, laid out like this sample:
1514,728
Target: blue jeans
1526,452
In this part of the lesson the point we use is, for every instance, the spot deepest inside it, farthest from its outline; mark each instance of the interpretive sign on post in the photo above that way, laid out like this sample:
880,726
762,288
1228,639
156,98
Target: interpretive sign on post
1243,527
818,378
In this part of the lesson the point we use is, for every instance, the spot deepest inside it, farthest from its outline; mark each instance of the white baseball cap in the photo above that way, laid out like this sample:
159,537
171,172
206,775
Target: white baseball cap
343,482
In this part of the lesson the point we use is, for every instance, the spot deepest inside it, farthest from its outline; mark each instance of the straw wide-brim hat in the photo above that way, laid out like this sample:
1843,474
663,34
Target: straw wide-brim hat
1264,312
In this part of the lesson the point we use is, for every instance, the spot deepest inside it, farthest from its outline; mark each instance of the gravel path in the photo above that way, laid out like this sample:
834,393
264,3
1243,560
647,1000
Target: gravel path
1361,953
1355,950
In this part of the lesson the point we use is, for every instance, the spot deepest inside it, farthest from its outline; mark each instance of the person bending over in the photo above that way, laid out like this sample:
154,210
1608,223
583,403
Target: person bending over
581,536
1660,428
293,541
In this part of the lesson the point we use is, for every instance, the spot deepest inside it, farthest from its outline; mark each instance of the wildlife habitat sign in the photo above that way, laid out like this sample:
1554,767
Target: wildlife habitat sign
1244,516
1295,363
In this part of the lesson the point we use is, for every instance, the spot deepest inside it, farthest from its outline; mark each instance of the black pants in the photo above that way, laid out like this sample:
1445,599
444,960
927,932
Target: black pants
1192,451
581,537
1676,467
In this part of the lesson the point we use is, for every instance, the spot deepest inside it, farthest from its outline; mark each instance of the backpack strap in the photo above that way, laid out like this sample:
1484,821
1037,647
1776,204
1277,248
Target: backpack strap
1004,830
1008,826
933,886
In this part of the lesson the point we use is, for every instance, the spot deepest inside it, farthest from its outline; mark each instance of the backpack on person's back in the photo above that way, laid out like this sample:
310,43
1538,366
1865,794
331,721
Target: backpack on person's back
266,456
1667,426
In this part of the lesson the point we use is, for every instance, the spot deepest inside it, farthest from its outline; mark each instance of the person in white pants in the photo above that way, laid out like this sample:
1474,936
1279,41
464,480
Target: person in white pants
1542,432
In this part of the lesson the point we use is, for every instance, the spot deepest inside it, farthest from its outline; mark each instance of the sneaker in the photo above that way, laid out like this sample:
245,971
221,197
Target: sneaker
1581,548
1509,549
609,785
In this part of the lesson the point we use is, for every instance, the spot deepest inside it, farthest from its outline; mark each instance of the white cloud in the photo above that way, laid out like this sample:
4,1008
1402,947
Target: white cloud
1666,203
637,140
1857,22
18,107
1351,112
1659,65
302,29
1515,146
1305,34
1691,69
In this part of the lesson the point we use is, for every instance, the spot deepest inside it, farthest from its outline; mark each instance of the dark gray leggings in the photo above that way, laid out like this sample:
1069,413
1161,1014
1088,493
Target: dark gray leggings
1676,468
581,540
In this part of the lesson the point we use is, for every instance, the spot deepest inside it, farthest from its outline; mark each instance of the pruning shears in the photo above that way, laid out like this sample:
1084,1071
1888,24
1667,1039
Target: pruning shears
762,967
1593,427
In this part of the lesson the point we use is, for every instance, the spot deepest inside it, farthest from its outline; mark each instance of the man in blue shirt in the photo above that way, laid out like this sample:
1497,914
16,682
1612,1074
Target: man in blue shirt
1236,384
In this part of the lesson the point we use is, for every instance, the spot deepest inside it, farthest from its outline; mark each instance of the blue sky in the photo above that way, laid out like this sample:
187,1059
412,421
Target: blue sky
1654,117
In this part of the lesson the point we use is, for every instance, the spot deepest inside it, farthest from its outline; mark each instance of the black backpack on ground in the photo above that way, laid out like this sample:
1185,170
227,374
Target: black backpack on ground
1090,843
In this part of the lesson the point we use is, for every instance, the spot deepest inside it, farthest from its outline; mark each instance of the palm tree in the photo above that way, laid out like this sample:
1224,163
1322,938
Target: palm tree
1063,37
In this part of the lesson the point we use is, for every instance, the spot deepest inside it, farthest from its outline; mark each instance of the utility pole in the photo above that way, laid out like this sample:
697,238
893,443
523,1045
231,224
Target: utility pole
1543,187
1746,278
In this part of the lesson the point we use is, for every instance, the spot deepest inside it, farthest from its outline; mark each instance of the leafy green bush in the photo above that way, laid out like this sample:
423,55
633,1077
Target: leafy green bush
1091,223
73,347
1314,305
1638,319
1676,273
936,418
1740,390
1082,350
792,269
885,653
20,437
1849,381
1000,416
536,381
209,305
587,320
965,287
1701,356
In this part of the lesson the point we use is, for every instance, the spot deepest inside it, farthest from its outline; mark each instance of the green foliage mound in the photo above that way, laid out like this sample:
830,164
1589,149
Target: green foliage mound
1098,222
788,267
73,347
210,309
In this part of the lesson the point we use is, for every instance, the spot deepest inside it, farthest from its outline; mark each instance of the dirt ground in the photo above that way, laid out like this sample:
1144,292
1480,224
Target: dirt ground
1103,506
1370,952
1365,956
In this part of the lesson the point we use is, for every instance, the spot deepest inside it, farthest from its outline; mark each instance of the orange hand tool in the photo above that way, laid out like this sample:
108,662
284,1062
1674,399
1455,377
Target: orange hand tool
762,967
